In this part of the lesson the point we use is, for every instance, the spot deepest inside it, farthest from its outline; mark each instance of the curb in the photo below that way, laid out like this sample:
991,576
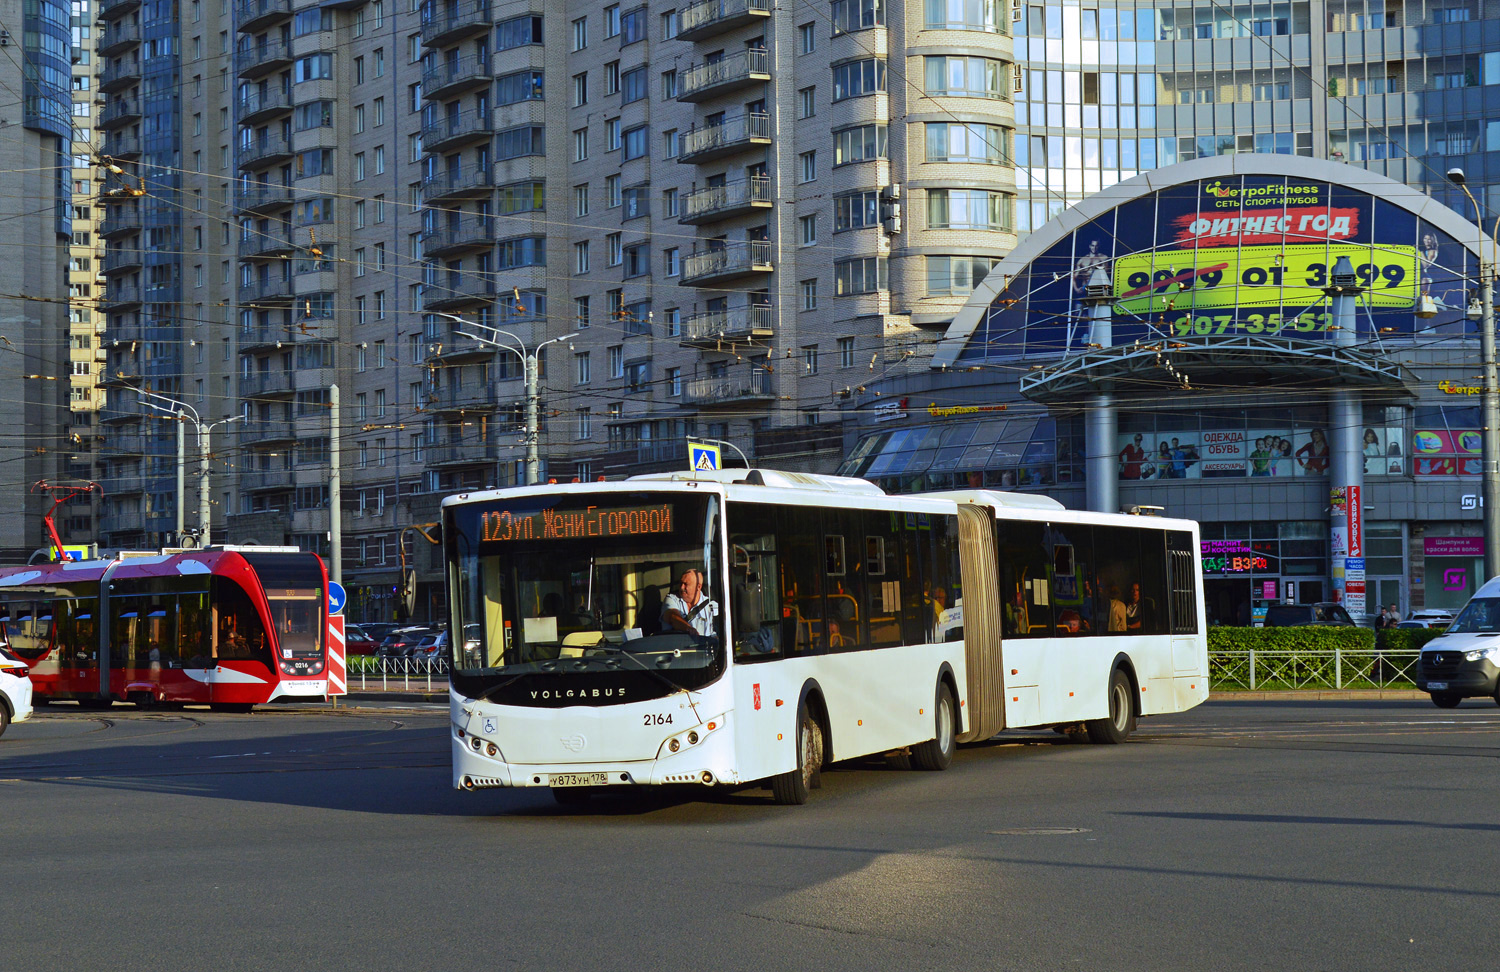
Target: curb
1319,695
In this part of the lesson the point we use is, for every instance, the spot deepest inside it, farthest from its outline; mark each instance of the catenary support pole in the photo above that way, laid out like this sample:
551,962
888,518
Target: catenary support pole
1101,424
181,476
335,492
1345,455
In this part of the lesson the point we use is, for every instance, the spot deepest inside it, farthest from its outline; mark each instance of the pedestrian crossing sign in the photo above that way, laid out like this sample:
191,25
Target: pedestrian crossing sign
703,458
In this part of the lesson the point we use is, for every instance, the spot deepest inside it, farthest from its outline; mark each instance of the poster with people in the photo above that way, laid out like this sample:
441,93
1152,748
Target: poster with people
1230,453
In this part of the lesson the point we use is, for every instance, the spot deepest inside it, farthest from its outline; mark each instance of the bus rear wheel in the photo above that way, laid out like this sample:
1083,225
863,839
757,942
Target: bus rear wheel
791,789
1121,721
937,752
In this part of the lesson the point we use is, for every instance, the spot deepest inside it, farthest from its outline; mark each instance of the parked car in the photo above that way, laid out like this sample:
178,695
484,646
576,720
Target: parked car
15,690
399,643
357,641
431,647
1427,619
378,630
1324,613
1464,661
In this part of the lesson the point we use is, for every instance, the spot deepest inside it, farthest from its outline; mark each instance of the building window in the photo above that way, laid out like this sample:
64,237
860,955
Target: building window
616,249
580,145
853,79
671,262
856,210
810,359
580,89
860,144
581,200
580,33
612,78
668,85
674,382
584,424
806,102
581,311
807,38
846,352
956,276
617,362
612,196
669,202
636,143
972,77
807,227
633,86
611,21
809,290
809,165
967,142
968,209
581,257
582,373
851,15
862,275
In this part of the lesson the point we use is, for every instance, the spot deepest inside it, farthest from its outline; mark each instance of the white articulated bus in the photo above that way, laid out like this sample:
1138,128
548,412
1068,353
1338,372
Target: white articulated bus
834,621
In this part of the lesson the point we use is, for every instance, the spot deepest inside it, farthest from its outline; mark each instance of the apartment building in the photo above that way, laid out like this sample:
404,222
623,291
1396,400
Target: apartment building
724,218
34,208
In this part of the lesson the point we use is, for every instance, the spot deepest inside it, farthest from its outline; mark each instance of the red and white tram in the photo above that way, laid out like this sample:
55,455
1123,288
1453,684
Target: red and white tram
229,627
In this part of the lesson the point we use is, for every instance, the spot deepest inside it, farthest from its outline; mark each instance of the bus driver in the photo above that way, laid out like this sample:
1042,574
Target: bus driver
689,610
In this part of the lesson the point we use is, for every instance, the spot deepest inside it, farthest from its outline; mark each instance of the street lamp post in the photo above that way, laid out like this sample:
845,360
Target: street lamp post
1490,485
529,364
181,410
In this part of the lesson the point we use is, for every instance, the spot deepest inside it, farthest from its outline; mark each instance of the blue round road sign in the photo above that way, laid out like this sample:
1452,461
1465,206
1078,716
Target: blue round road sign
336,597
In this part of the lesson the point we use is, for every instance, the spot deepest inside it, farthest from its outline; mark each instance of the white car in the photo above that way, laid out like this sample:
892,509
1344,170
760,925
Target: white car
15,690
1428,619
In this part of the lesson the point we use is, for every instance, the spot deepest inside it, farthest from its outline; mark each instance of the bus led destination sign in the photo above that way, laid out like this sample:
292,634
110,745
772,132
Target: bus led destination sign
500,526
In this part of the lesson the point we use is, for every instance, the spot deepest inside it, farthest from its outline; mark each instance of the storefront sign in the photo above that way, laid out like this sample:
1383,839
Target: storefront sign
1356,526
1450,388
948,411
1268,590
1453,546
1230,557
1443,452
889,411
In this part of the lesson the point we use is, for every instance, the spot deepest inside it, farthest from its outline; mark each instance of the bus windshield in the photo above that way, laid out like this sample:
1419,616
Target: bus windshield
569,585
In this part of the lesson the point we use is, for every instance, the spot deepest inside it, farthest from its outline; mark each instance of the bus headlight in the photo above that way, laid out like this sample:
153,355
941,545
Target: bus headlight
1483,654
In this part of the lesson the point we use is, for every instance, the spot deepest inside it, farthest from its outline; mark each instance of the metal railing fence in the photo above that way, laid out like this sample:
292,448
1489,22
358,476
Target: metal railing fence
1254,669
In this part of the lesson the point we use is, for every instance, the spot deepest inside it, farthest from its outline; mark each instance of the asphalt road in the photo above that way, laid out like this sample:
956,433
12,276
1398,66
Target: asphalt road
1242,835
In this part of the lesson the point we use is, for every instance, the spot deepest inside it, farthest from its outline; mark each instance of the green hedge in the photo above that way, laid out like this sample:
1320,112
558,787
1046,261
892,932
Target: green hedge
1407,639
1311,638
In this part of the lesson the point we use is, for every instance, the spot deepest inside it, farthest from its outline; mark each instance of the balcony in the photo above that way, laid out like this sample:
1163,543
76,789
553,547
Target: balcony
122,146
251,15
470,398
265,150
257,479
123,485
734,260
267,430
464,452
462,184
265,245
258,337
452,236
703,392
449,344
110,9
120,74
121,296
272,291
730,73
444,23
121,219
259,105
710,17
257,60
121,259
738,325
744,131
461,293
262,198
730,199
450,133
119,112
117,37
266,384
450,77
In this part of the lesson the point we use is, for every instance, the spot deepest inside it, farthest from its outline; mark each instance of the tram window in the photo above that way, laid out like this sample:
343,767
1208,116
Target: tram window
1072,580
124,630
240,634
882,579
800,530
195,620
1024,584
847,617
762,624
1153,601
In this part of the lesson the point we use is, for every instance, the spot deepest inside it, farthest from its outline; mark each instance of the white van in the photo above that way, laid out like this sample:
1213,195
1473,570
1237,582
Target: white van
1464,661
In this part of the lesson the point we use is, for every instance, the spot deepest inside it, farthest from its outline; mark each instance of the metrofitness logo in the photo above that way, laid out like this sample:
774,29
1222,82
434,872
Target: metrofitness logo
1269,195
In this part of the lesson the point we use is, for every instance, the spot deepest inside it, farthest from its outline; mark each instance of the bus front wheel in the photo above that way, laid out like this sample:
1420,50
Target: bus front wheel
1121,721
792,788
937,752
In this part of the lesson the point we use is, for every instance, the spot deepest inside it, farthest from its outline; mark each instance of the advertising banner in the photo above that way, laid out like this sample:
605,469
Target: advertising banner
1256,453
1453,546
1445,452
1232,277
1356,525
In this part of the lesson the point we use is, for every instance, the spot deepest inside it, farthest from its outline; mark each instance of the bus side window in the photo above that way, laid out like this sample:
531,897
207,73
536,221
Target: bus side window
755,596
1153,608
848,614
1025,594
882,578
916,552
1073,584
1184,581
1118,597
800,533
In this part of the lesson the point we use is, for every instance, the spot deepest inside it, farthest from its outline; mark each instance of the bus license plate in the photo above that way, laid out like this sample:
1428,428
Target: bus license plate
1436,686
577,779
